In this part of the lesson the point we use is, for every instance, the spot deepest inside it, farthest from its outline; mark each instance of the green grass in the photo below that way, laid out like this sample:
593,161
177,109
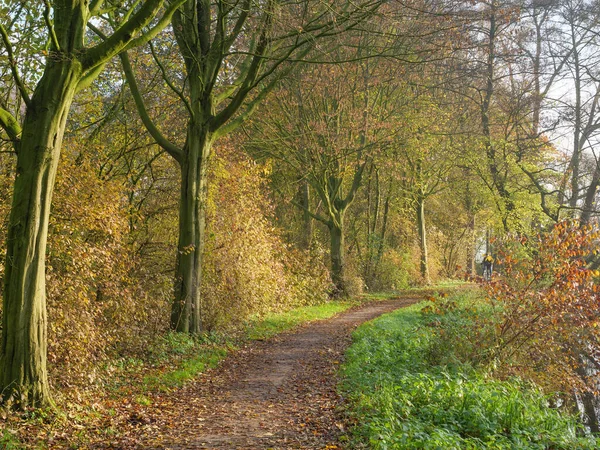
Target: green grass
8,441
185,370
400,400
279,322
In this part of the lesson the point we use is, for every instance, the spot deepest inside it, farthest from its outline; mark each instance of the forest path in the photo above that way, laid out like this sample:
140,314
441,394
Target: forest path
274,394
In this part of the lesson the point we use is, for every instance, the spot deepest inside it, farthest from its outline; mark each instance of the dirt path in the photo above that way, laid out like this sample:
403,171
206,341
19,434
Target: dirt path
275,394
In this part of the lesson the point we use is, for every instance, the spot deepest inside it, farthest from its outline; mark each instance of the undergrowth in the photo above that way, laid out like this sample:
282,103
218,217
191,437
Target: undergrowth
414,382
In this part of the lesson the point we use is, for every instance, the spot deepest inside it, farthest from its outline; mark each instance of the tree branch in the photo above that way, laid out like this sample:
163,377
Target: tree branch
251,76
168,81
123,38
160,139
10,125
13,65
51,30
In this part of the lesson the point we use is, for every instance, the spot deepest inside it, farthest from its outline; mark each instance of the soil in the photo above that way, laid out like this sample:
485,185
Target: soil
274,394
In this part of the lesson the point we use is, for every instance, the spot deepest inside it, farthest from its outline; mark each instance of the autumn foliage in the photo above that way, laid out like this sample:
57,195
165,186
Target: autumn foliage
548,306
249,268
110,264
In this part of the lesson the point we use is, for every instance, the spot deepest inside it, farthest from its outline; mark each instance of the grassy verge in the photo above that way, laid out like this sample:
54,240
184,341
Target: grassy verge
406,394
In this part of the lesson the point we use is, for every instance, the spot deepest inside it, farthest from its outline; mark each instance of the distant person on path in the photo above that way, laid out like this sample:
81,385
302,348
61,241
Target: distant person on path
488,264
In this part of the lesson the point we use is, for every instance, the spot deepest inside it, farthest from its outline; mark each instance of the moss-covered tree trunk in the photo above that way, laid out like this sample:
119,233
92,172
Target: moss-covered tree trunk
23,374
186,311
70,66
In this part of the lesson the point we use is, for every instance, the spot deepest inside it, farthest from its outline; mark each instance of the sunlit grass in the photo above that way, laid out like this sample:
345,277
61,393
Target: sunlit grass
279,322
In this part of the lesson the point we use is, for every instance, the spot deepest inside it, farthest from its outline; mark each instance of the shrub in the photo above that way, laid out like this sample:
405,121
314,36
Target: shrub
547,306
393,272
96,308
461,327
249,269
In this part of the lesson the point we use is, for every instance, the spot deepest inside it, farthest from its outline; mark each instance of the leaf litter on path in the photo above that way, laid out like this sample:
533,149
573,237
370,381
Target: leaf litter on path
279,393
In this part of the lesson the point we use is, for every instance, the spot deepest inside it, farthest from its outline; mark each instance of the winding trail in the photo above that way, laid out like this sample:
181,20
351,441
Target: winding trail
274,394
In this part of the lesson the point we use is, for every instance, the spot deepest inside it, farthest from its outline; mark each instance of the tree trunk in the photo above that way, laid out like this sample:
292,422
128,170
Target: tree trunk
423,240
470,256
506,206
338,258
381,243
307,220
186,309
588,205
373,239
588,405
23,374
590,416
575,159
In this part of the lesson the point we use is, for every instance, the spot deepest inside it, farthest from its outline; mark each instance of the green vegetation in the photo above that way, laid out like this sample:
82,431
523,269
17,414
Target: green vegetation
8,441
406,395
276,323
